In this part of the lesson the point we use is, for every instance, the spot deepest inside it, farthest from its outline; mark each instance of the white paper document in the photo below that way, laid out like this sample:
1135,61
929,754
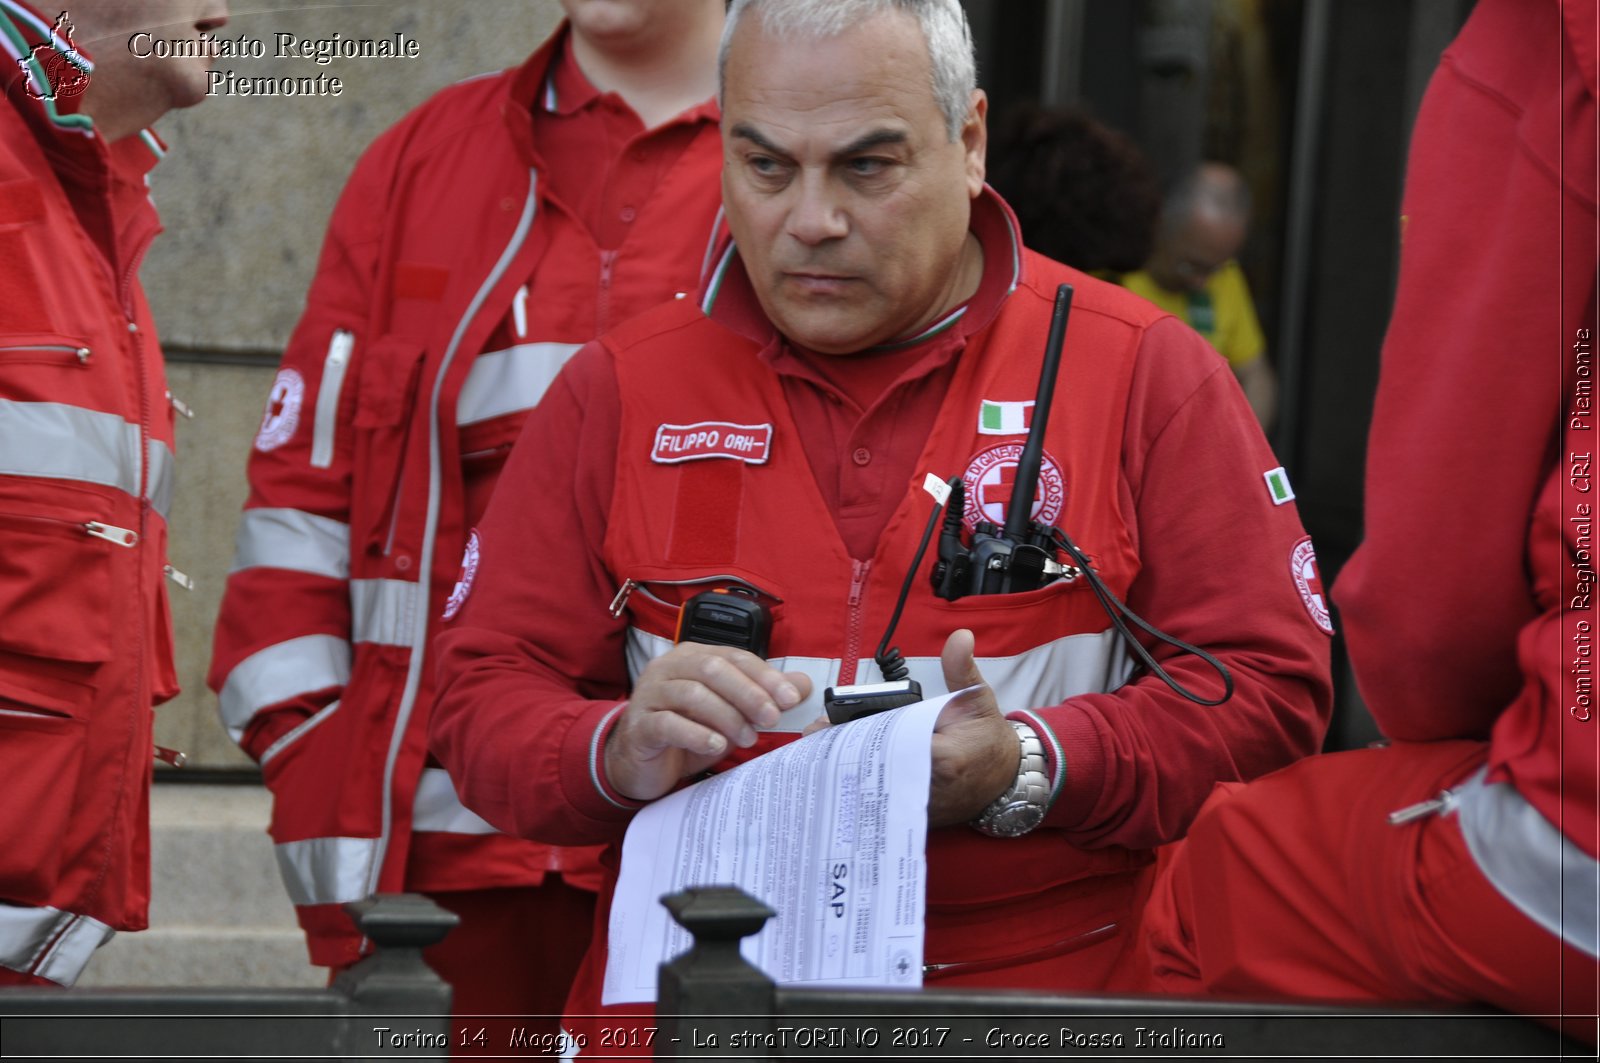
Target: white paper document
830,831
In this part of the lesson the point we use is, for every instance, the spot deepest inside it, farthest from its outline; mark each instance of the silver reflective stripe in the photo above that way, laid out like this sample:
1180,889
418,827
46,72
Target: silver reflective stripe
1092,663
437,808
508,381
383,611
49,942
293,735
292,539
162,477
279,672
326,870
52,440
1530,863
333,371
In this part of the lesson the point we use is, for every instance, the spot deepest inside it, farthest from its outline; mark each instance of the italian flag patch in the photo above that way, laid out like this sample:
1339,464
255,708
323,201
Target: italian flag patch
1278,486
1004,418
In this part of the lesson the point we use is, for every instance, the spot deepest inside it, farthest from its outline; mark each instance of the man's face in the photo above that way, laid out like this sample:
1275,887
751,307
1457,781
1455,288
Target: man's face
617,21
106,28
847,198
1186,261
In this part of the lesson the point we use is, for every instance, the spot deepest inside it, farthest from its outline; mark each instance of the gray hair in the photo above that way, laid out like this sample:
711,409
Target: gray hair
943,22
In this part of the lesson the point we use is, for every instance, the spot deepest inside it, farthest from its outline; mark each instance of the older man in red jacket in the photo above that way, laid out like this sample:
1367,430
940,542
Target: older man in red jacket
876,319
86,434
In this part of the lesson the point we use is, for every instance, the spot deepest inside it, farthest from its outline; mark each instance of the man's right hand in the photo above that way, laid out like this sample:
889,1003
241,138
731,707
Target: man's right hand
688,708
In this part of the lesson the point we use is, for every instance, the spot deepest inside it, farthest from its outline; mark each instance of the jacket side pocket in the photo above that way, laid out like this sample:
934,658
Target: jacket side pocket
41,755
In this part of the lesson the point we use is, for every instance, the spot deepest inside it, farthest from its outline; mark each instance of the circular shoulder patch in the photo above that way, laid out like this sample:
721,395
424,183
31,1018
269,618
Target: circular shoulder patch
991,476
282,417
469,572
1308,581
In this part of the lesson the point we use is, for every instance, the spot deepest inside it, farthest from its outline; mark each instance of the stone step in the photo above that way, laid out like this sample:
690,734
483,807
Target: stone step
209,957
218,912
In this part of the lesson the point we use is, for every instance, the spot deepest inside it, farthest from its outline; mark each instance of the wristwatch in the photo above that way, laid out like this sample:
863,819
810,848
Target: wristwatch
1021,808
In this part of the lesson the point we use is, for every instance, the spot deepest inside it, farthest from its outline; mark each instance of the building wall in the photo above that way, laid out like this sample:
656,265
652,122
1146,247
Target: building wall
245,194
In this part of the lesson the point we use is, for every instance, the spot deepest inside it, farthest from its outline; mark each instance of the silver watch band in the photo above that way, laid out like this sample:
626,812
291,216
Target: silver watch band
1022,807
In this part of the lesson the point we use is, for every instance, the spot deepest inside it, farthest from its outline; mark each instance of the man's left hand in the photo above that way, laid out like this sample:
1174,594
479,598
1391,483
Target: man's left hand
975,751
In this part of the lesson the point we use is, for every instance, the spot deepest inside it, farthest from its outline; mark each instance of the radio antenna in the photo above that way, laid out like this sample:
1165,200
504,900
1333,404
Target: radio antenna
1019,512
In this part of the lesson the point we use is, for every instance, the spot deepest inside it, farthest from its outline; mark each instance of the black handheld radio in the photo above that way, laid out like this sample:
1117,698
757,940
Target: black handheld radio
726,616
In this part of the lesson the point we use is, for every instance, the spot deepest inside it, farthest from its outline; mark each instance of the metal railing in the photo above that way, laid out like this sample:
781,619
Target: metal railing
391,1004
713,1003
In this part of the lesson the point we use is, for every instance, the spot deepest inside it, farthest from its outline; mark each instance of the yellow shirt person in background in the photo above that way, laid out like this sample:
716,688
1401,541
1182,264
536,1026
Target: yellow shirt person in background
1193,275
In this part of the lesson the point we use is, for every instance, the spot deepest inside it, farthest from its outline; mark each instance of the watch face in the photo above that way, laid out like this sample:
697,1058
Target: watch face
1018,818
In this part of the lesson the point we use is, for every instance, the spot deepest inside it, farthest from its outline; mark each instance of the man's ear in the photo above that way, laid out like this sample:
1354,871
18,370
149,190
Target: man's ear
975,141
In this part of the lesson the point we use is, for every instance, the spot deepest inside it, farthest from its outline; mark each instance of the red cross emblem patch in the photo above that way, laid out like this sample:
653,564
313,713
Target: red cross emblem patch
1308,581
469,572
282,415
990,481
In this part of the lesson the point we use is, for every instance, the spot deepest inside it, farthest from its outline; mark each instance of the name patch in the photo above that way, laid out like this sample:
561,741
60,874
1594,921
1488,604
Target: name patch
748,443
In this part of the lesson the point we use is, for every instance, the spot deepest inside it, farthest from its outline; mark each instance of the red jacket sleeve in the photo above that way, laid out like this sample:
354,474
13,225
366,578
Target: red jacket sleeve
282,645
1496,275
520,696
1215,554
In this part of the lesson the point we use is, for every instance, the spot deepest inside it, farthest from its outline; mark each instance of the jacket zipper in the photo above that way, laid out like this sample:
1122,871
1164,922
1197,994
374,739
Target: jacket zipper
143,681
79,355
853,621
125,537
112,534
1441,805
1058,948
619,603
179,405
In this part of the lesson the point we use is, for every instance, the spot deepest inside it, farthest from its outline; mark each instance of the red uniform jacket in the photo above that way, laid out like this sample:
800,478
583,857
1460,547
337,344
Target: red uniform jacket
352,536
86,447
532,669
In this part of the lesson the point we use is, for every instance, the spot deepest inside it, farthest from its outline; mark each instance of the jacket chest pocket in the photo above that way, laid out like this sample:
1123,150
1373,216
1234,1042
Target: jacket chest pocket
55,584
386,421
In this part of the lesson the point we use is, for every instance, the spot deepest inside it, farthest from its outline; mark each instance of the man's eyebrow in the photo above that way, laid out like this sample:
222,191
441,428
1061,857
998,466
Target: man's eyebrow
876,139
748,132
866,142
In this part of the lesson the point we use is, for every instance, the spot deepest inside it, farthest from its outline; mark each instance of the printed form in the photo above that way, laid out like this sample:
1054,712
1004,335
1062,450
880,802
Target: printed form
830,831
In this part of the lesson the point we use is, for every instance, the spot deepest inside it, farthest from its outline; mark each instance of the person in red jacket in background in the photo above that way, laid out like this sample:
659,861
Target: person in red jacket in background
875,319
87,438
1457,864
482,240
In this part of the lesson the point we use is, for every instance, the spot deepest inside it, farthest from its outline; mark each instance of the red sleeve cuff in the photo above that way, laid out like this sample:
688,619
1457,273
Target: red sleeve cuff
583,766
